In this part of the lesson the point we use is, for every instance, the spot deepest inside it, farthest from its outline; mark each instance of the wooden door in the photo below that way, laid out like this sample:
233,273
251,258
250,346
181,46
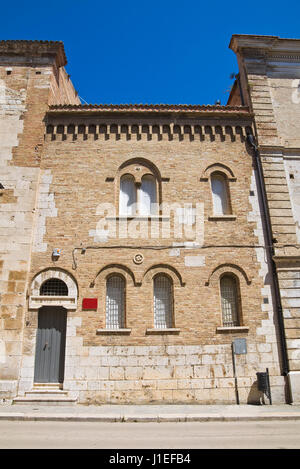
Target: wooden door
50,345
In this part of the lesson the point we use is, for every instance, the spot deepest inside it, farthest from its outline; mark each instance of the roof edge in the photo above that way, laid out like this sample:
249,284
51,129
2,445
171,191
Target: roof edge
34,49
264,43
148,108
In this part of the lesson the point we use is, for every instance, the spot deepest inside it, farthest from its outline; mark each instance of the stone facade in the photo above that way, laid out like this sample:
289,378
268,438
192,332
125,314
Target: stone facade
63,165
31,77
270,77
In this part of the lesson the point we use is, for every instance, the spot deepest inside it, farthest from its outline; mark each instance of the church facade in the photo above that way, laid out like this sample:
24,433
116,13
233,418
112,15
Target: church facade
149,253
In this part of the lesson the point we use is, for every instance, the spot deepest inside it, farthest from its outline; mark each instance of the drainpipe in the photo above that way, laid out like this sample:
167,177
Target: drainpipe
270,250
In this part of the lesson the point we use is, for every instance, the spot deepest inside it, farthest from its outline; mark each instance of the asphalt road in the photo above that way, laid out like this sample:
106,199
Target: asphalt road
201,435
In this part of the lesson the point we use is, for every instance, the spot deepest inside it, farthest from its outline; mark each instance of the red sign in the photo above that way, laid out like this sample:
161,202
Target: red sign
89,303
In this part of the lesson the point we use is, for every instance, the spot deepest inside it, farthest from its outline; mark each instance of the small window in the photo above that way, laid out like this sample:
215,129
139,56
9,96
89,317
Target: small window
115,302
54,287
127,202
220,193
230,301
163,302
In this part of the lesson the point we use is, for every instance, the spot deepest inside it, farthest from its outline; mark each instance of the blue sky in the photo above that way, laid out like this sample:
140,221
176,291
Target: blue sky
171,52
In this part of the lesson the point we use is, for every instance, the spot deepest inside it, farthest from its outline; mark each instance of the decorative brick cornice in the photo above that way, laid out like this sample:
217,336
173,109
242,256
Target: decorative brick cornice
148,120
60,129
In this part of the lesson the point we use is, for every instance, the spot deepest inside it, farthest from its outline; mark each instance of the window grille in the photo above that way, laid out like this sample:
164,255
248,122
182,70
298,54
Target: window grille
54,287
115,303
229,299
163,302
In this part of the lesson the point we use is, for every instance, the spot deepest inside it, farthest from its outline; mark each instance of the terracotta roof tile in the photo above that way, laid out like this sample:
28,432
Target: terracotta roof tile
150,108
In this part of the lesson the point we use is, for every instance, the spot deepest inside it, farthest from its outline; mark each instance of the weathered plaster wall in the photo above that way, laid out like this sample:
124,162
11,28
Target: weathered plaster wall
292,168
285,97
17,202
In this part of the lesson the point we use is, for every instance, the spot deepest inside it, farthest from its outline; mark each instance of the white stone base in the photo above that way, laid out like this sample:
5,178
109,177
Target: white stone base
294,381
174,374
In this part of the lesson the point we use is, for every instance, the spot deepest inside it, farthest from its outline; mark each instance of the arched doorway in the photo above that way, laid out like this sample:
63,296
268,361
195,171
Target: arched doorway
53,293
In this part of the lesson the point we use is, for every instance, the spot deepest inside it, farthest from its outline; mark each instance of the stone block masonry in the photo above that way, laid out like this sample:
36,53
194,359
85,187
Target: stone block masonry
169,374
269,81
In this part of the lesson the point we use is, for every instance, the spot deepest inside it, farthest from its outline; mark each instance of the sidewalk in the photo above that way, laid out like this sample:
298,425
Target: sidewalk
149,413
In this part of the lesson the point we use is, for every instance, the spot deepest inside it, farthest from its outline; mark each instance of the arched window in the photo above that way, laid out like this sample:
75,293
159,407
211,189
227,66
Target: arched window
163,302
54,287
127,200
115,302
148,199
140,189
230,300
220,194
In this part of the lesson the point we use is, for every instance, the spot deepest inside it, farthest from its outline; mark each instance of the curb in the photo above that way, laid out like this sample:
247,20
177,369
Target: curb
138,419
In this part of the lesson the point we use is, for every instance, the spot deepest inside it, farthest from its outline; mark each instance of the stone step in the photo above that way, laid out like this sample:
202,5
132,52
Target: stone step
35,393
47,386
54,400
45,394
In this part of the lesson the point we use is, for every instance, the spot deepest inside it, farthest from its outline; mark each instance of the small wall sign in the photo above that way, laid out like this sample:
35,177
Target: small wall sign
239,346
89,303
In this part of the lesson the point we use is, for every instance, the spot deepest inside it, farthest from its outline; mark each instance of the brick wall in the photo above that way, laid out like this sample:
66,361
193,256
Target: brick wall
80,171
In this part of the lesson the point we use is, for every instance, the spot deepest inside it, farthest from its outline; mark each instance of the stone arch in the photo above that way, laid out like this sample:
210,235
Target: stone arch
166,269
227,268
218,168
141,160
36,301
117,269
147,164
